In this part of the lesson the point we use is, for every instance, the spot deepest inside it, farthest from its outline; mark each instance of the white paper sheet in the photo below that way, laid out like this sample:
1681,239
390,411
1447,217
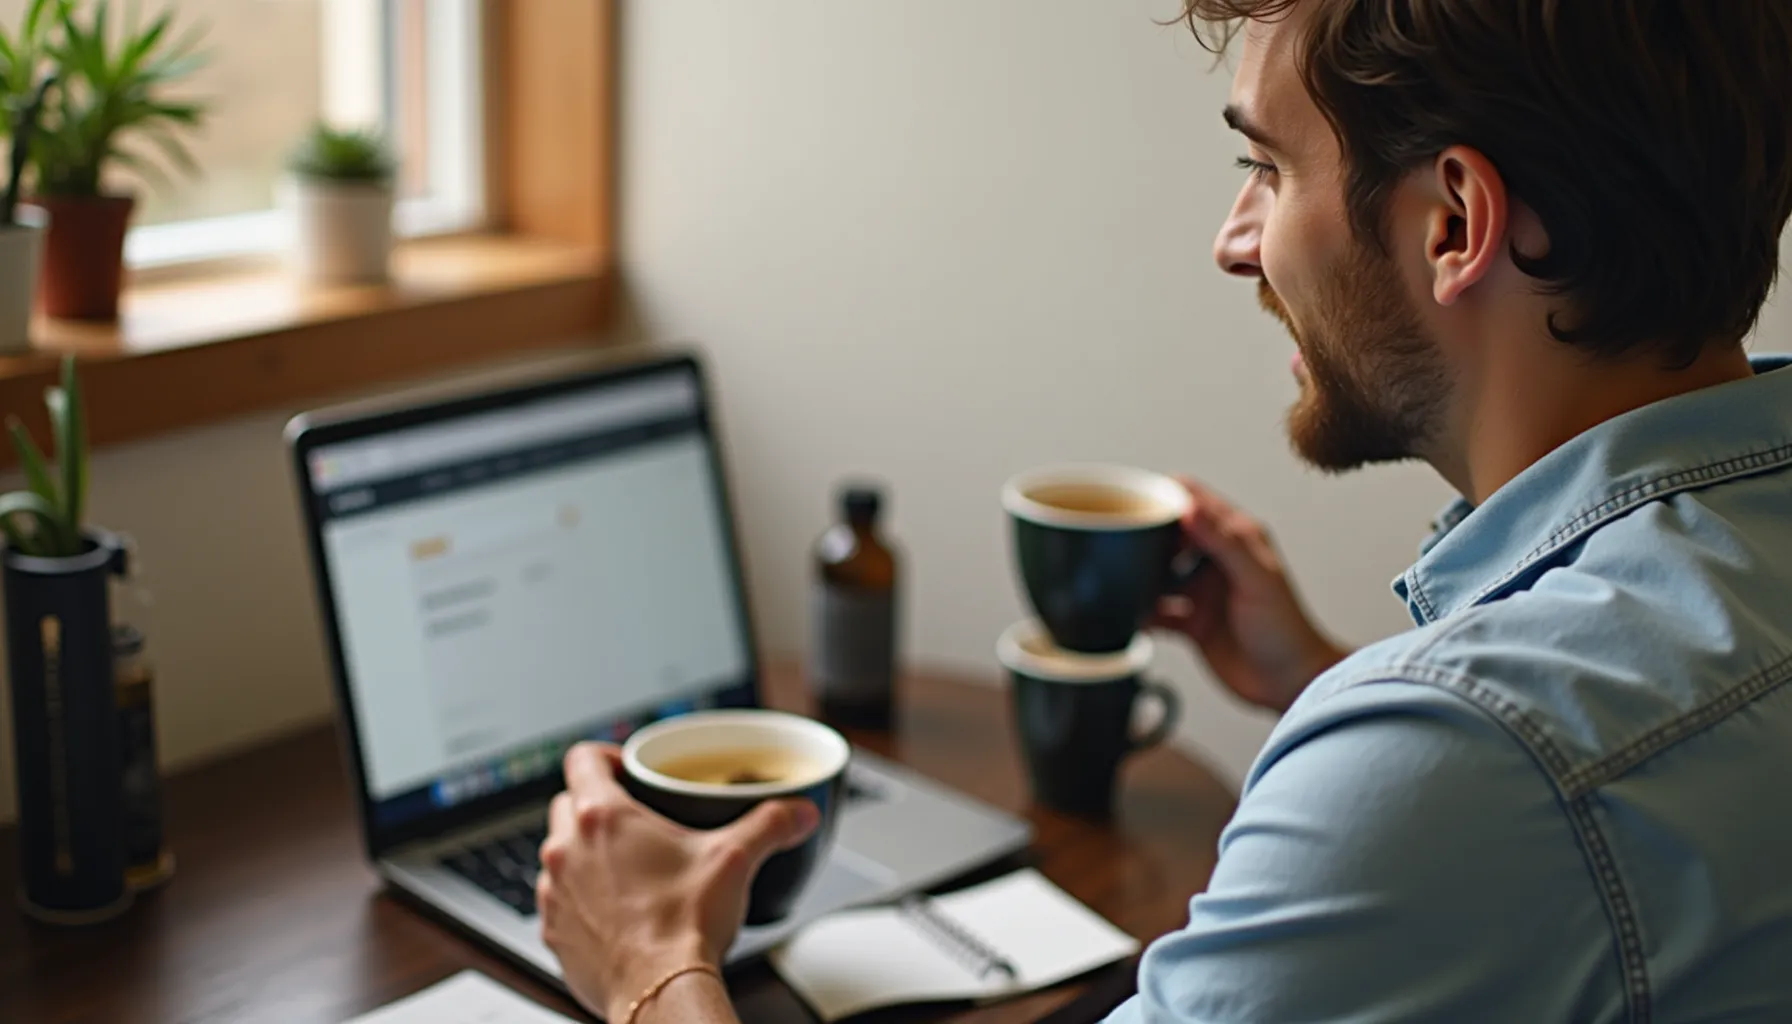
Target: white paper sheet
467,998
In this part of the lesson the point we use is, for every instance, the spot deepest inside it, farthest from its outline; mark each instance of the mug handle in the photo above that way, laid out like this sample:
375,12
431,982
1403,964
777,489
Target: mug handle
1187,564
1166,720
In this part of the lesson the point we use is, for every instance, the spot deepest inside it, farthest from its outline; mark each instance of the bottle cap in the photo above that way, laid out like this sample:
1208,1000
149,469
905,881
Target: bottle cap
861,501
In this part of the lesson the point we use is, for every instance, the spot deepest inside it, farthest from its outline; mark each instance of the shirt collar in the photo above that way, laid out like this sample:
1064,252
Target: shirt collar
1477,553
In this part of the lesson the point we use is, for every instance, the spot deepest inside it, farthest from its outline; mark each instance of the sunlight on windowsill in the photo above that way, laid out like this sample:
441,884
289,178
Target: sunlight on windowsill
195,349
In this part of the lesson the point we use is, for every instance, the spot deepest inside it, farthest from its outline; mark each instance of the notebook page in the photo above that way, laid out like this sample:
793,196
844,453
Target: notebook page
855,960
1043,931
467,998
858,960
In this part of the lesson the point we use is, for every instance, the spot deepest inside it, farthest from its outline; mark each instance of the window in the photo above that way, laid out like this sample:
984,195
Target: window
408,67
209,346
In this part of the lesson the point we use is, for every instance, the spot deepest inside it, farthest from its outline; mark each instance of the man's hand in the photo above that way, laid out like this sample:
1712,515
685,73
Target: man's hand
626,895
1241,609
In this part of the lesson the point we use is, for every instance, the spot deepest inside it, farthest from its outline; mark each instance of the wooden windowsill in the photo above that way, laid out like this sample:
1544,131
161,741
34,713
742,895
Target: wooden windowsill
192,351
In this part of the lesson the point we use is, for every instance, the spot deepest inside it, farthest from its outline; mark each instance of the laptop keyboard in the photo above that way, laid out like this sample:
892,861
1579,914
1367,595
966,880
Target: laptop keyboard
504,866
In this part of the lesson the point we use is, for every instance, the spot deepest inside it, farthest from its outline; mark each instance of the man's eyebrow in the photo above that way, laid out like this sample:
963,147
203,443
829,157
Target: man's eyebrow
1240,123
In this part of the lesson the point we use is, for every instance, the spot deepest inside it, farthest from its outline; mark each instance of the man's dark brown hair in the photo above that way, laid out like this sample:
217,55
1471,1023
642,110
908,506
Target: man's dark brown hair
1653,138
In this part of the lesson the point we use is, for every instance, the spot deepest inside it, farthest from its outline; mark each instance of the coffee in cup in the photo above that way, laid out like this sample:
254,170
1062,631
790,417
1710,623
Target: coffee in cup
1097,546
708,768
745,766
1074,715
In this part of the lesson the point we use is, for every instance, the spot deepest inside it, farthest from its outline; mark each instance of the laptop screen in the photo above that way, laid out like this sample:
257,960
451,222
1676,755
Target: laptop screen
510,581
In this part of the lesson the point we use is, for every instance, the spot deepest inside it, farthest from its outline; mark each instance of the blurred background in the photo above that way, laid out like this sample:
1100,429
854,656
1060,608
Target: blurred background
928,241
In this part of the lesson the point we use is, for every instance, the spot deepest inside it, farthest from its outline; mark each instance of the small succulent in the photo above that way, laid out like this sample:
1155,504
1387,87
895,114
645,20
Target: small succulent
342,155
45,519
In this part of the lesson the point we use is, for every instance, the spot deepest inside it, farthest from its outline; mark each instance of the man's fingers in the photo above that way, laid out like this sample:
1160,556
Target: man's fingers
563,827
1213,526
592,768
772,826
1205,498
561,817
1238,543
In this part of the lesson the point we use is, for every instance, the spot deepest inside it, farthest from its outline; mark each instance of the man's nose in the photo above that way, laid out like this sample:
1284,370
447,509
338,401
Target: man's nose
1238,246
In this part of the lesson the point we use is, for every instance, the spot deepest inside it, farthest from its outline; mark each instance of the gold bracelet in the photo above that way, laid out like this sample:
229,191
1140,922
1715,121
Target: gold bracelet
628,1016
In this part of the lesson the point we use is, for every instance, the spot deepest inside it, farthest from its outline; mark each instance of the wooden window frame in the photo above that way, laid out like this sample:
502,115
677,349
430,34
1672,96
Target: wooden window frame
232,341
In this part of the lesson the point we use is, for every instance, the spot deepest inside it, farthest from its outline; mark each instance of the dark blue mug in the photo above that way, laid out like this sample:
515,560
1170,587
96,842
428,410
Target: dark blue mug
1074,715
707,768
1097,546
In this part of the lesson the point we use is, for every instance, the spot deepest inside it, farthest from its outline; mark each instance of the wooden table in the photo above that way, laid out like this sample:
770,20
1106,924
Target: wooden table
275,916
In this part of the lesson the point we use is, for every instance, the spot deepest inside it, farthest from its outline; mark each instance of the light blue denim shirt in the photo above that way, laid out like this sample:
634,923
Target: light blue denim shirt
1567,794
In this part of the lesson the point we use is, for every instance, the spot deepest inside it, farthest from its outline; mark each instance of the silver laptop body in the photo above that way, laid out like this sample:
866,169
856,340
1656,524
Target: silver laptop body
504,574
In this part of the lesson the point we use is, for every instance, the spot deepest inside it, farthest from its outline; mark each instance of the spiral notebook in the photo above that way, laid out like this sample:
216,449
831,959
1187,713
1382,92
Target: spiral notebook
1015,934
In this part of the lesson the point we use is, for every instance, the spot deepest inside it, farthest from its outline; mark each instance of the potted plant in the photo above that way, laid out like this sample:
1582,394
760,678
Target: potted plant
21,233
59,659
340,196
112,90
23,84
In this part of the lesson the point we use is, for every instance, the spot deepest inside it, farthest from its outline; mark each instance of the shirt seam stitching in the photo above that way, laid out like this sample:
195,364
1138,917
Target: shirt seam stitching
1632,964
1624,501
1591,776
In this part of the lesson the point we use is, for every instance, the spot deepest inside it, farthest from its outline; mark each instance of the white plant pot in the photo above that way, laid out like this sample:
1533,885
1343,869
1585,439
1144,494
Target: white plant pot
21,253
341,231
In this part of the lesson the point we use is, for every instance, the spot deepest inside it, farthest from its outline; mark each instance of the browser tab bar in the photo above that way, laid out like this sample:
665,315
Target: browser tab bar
353,463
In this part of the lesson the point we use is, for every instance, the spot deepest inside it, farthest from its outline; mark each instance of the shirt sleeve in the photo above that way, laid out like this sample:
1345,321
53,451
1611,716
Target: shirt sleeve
1396,856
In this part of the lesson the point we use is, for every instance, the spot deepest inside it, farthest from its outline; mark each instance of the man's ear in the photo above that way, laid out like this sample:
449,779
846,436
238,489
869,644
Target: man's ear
1465,231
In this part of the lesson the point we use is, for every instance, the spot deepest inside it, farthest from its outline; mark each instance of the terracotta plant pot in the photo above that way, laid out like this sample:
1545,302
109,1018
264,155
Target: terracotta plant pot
84,255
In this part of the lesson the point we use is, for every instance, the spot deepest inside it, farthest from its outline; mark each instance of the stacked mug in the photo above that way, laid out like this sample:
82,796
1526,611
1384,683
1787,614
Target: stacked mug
1096,546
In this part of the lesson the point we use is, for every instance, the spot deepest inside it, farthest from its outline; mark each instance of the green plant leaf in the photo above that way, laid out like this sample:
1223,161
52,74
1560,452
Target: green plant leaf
14,539
173,65
32,507
33,19
349,155
189,42
31,460
146,169
71,448
180,113
176,152
115,73
100,12
56,400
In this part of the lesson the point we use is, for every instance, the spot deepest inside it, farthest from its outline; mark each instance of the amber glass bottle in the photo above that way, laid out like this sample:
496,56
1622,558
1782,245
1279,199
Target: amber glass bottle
852,667
148,861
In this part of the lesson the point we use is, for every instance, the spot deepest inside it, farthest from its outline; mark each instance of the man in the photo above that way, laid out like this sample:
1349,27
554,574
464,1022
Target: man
1521,240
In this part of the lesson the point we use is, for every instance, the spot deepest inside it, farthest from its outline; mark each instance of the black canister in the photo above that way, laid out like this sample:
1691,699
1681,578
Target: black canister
65,731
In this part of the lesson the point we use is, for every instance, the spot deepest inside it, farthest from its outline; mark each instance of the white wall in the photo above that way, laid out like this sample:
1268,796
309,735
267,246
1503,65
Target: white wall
932,240
940,242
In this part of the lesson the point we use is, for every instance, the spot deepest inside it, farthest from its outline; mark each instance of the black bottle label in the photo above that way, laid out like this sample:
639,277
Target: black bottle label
854,659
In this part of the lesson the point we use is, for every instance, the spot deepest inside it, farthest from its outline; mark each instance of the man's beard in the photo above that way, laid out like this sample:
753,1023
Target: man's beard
1375,386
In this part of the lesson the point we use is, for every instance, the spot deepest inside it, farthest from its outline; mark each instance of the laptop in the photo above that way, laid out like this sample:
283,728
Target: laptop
505,574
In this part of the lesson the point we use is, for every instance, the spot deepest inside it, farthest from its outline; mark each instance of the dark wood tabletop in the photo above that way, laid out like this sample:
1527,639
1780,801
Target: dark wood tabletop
274,915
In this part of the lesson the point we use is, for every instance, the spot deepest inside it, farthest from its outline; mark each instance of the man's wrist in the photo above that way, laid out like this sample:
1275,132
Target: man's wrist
643,973
691,996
